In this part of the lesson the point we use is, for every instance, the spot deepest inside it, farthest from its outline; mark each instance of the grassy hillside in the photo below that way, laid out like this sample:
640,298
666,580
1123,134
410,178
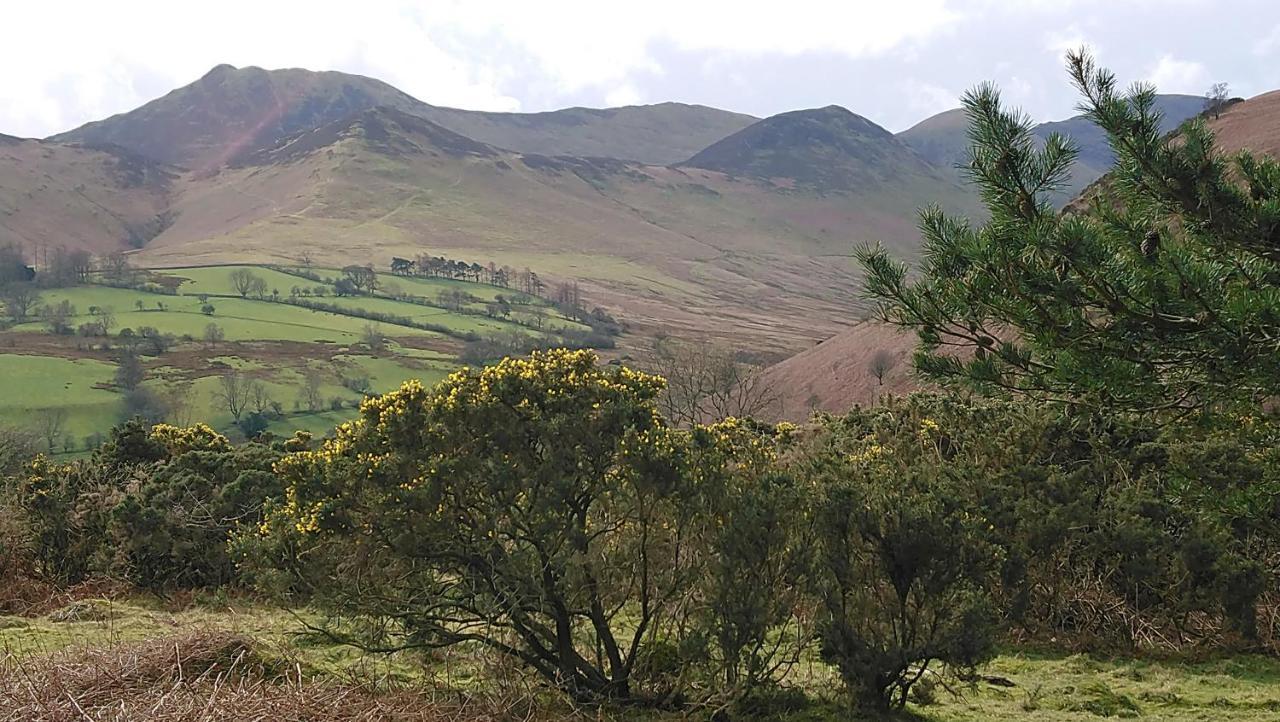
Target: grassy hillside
690,250
825,149
231,111
276,341
1250,125
660,134
74,647
97,200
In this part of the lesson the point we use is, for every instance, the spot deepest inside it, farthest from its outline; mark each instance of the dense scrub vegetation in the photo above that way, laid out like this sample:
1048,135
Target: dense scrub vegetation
544,510
1116,487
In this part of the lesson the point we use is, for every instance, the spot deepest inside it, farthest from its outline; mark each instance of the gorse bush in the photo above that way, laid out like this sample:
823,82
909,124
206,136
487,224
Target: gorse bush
758,550
1167,524
153,505
904,560
538,508
171,529
542,509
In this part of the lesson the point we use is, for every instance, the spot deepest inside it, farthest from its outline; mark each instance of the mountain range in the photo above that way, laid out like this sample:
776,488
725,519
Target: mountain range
944,141
682,218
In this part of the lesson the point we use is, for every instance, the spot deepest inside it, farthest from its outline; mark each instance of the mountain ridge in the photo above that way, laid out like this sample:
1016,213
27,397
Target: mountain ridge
229,111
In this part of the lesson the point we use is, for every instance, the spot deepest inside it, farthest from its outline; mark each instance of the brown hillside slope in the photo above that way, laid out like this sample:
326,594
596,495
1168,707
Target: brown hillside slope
660,134
230,111
690,251
1253,124
835,375
98,200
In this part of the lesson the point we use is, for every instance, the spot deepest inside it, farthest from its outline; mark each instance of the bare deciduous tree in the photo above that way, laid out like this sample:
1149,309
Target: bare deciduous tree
116,266
59,316
1215,101
17,446
363,278
374,338
105,317
312,390
234,392
245,282
706,382
260,397
881,363
176,398
19,300
213,335
50,423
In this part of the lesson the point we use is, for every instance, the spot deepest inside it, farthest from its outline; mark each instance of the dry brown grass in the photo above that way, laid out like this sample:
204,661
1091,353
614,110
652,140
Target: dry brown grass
837,374
211,675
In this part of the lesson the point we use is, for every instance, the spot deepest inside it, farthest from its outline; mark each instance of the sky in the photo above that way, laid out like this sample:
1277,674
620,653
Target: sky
64,63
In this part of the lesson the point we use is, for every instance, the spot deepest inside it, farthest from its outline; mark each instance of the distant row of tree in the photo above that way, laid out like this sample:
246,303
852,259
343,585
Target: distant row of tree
492,274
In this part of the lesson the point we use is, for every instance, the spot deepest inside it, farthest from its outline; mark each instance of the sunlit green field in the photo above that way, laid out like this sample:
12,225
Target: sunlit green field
240,319
34,385
272,342
216,280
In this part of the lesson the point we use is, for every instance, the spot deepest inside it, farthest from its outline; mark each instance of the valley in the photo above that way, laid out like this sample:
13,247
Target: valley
323,401
685,220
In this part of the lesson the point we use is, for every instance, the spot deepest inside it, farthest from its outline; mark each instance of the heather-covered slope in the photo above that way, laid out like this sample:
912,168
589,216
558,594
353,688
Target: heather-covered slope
97,200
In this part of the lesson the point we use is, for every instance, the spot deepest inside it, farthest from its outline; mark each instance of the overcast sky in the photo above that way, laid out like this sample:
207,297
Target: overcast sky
895,61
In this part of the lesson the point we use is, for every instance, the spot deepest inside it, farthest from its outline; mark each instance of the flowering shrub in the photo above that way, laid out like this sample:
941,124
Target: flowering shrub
538,508
154,505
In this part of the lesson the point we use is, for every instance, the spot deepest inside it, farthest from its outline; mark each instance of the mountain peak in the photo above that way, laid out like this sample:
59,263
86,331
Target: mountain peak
232,111
827,148
382,129
220,70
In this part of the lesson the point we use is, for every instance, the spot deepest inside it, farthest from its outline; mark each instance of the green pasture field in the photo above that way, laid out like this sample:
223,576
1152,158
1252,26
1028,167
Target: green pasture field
33,384
240,319
272,342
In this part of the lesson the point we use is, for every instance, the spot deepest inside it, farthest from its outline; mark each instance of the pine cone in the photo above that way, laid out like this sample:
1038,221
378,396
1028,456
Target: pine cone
1150,244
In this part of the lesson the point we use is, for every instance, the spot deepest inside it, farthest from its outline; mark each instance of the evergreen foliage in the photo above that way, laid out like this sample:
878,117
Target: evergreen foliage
1163,294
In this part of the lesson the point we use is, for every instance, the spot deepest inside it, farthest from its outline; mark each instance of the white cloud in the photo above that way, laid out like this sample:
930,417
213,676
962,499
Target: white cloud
1059,42
623,95
69,61
1269,44
926,99
1172,75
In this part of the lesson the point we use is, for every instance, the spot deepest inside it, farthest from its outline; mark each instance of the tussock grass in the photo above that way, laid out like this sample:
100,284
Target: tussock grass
227,659
210,675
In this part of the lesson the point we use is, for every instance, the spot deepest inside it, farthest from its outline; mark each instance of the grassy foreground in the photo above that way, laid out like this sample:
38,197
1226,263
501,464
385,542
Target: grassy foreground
142,659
